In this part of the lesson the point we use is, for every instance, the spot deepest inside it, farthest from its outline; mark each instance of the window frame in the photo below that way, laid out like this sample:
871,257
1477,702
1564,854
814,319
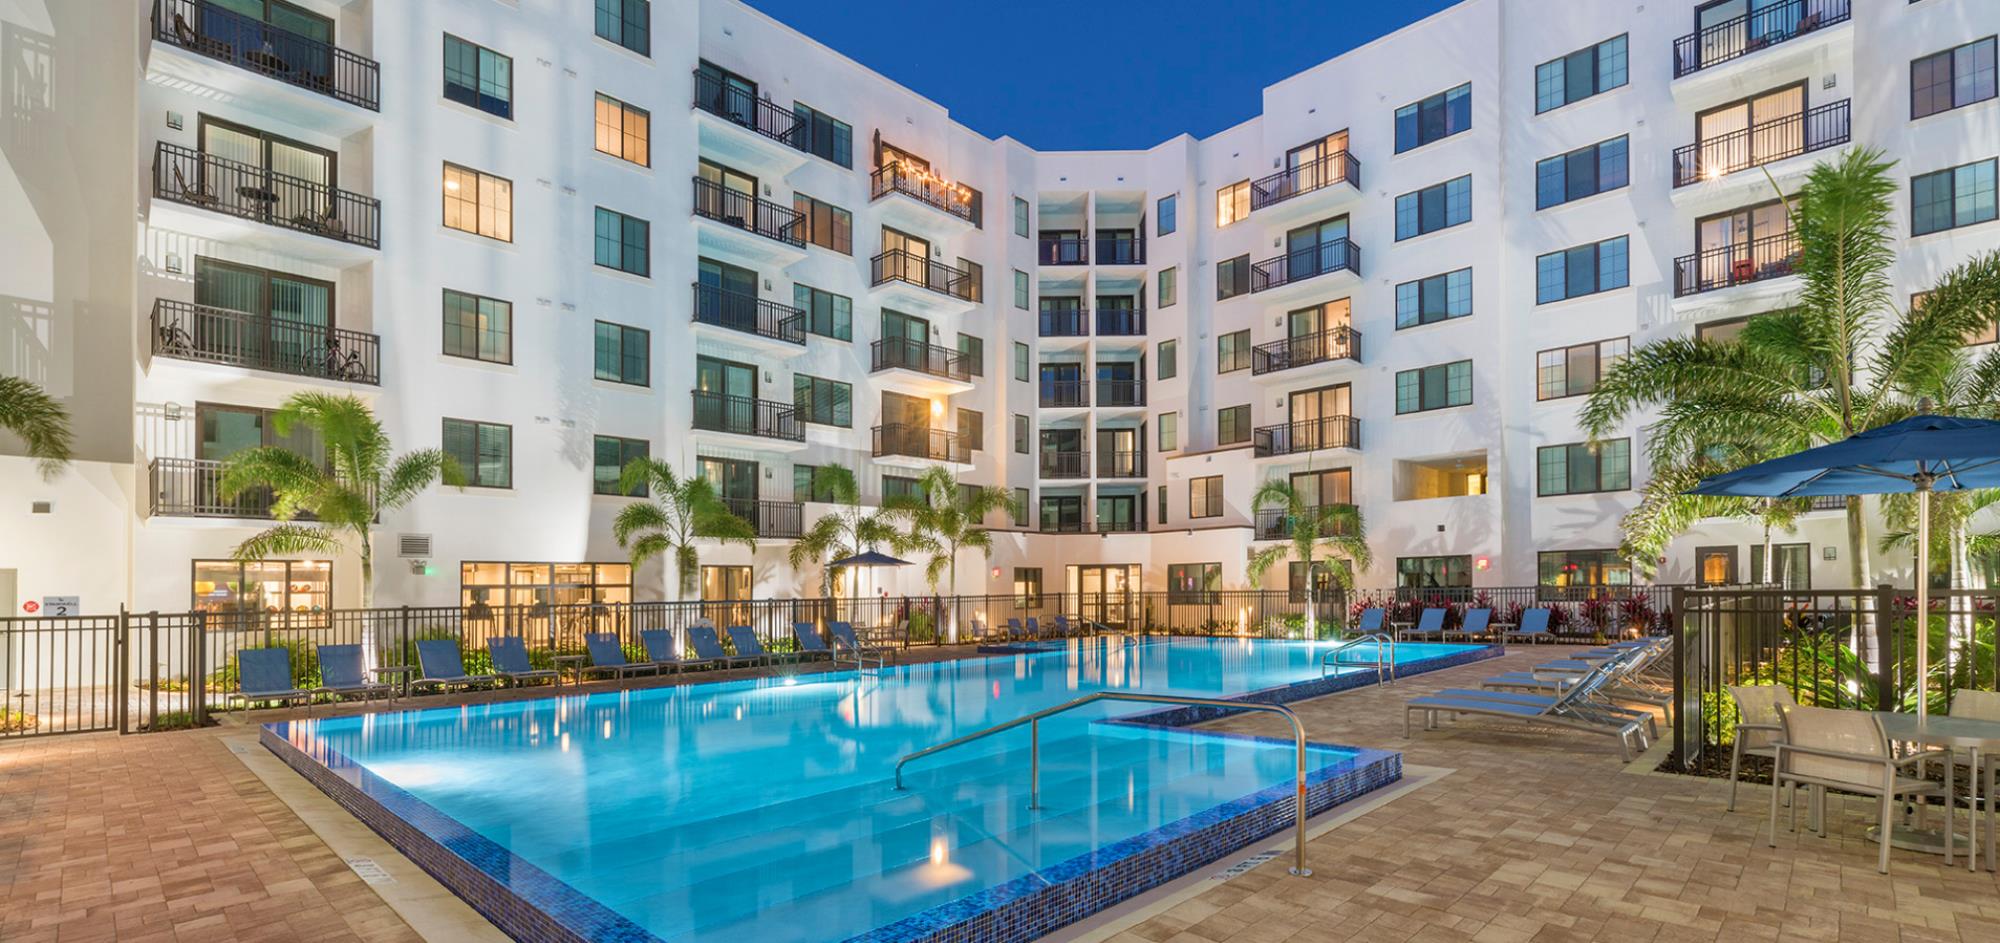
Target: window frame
623,15
480,180
1417,288
1598,283
1166,215
625,111
625,332
1420,372
1167,286
1415,206
645,451
479,62
1569,451
1224,361
1168,358
445,345
1444,104
1210,489
1596,152
839,220
1238,280
808,412
626,250
472,470
1021,217
1232,203
1240,409
1596,73
1023,434
811,309
1951,72
1569,383
1950,174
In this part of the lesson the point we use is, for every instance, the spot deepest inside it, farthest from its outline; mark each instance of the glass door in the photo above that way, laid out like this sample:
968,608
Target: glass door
296,315
304,190
728,95
906,341
730,195
729,395
1324,488
735,482
914,262
1104,593
1715,566
1739,246
1316,248
1308,166
1118,453
1316,333
1319,418
728,295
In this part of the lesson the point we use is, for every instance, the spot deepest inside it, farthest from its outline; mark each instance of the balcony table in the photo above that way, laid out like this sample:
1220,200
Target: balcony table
1979,738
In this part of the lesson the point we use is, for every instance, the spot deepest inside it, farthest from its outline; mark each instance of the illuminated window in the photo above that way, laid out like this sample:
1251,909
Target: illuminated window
478,203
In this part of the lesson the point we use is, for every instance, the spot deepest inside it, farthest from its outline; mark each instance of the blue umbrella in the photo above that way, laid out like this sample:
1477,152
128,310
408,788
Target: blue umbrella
1921,454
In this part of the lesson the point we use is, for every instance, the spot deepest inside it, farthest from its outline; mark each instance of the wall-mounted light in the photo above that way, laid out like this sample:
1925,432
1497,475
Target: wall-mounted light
937,408
1483,564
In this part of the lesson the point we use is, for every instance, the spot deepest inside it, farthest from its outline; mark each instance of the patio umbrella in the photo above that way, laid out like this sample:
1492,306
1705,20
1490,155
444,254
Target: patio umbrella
869,558
1921,454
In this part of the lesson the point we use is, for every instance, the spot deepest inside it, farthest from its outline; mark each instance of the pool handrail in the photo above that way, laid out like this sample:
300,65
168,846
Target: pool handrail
1034,724
1383,642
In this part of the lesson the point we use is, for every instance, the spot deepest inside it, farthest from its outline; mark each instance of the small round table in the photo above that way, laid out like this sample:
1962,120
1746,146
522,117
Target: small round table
1980,738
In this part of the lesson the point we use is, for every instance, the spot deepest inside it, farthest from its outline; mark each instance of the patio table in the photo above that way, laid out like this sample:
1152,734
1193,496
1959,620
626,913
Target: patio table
575,663
1980,738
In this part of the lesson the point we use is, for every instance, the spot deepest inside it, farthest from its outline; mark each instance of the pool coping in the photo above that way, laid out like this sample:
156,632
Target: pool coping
528,903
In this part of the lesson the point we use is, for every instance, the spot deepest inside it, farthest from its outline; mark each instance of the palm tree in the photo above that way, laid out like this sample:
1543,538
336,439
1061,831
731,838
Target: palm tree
345,493
1337,528
945,520
846,531
681,512
28,411
1665,511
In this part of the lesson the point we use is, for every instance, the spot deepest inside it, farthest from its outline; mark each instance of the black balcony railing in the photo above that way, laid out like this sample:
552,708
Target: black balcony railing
1738,264
894,354
1121,464
256,46
1279,524
746,415
772,519
1310,435
1121,322
749,212
929,190
1339,167
1065,322
1762,143
1064,250
902,265
1740,36
1301,264
187,331
937,445
192,487
1060,526
738,106
1121,393
749,314
1118,526
1121,248
247,191
1341,343
1065,394
1065,464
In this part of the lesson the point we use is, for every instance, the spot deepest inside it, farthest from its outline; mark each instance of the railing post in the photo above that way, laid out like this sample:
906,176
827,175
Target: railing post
1888,648
403,623
121,674
153,669
1035,763
198,672
1681,640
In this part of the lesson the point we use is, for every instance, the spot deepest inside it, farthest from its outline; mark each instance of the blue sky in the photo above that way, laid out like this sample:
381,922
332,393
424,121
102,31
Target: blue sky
1095,74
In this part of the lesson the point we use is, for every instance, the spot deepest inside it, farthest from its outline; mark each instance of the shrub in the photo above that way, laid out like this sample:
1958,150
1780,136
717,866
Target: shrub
175,720
13,721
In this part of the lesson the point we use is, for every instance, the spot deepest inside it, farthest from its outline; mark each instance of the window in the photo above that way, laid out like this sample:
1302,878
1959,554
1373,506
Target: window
484,450
1021,362
1580,468
1232,277
1953,78
1232,203
1232,351
1584,270
1793,563
1435,118
478,328
1020,289
1168,215
1161,502
1017,510
1170,431
898,486
1232,425
1169,358
1169,287
823,402
973,350
627,23
1027,579
1021,434
1948,199
624,131
1205,496
1435,387
824,224
1574,371
478,77
1434,299
478,203
1579,75
1433,208
622,242
612,455
1583,172
1583,568
975,279
624,354
827,314
1020,217
822,135
1433,572
1193,582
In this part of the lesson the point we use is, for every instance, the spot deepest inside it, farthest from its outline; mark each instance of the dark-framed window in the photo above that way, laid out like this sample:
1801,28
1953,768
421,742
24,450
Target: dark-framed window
1434,387
1167,216
478,203
478,77
1232,277
1582,568
1020,217
823,402
1563,372
1167,287
1434,119
1160,499
478,328
1169,425
1433,299
1232,425
975,279
1793,563
629,23
1205,497
1232,203
972,429
1027,581
624,243
812,483
484,450
1020,289
973,350
611,454
1193,582
827,314
822,135
1954,78
1436,207
1582,270
623,354
1589,71
1586,171
901,486
1583,468
624,131
1954,197
1169,359
1019,510
1232,351
1021,434
824,224
1441,572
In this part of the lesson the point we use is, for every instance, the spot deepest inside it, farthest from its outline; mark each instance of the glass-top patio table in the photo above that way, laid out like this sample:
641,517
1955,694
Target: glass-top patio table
1981,739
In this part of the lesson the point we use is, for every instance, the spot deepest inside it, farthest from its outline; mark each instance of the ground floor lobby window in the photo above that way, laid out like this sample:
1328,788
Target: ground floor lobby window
296,589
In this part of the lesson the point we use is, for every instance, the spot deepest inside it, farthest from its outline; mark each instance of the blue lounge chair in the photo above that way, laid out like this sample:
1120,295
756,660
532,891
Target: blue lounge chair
845,640
747,643
1596,708
510,661
608,657
663,653
1474,624
265,674
1534,627
1430,624
1371,621
1570,710
341,673
443,666
810,643
708,647
1034,627
1063,629
1014,630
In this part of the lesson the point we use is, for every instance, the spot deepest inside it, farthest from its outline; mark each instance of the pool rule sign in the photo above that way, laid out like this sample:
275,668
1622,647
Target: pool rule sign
54,607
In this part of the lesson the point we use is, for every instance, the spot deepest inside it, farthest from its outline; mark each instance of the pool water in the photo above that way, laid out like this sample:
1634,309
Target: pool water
765,810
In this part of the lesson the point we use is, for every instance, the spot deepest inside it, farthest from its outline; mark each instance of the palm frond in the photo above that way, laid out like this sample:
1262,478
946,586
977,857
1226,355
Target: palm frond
287,539
29,412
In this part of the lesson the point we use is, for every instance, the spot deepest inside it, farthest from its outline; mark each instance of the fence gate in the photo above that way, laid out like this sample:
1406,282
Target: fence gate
60,675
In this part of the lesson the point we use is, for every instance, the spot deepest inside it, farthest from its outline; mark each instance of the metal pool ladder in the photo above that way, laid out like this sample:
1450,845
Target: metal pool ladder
1383,643
1034,724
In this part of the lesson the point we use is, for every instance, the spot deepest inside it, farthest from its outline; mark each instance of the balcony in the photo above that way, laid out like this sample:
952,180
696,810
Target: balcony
1065,466
1121,322
1741,36
1731,265
1278,524
919,446
1338,344
743,131
749,417
1063,250
1759,144
741,316
908,281
920,201
1311,435
743,227
186,331
921,369
1121,464
1285,277
1122,247
228,192
192,487
1121,394
1064,322
1060,526
198,35
1065,394
1118,527
773,520
1309,190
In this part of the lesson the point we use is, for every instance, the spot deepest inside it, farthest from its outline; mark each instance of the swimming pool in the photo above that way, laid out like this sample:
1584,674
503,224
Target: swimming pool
764,809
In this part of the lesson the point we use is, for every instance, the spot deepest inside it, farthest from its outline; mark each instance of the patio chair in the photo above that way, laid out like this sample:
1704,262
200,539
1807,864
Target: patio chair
607,656
810,643
708,648
664,653
1758,726
1034,628
444,667
1064,629
1826,749
1563,713
745,641
1430,624
844,639
1534,627
1014,630
265,674
510,661
200,195
1595,707
1473,626
975,630
342,673
1371,621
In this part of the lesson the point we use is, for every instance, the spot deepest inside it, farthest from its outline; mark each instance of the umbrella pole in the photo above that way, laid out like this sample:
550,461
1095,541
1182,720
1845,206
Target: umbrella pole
1923,594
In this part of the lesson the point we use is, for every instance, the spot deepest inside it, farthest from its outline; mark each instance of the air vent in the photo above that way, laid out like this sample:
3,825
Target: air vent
413,545
39,507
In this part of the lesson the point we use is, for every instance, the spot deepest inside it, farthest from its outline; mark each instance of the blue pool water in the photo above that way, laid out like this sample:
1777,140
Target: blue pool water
764,810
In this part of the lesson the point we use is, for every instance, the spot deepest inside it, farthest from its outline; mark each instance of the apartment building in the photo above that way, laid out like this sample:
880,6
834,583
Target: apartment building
551,235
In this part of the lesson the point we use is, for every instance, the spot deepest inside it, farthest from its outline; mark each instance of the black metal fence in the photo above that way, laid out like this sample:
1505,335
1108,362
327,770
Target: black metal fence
902,265
1740,263
189,331
1740,36
1063,250
1337,167
740,106
749,314
248,191
1762,143
252,44
1306,262
748,211
1340,343
747,415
